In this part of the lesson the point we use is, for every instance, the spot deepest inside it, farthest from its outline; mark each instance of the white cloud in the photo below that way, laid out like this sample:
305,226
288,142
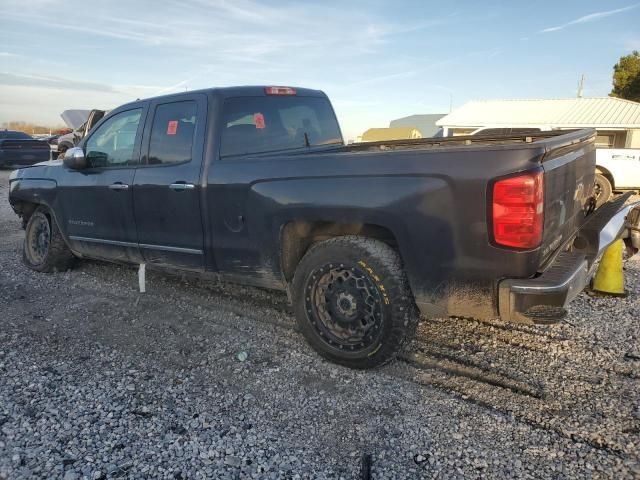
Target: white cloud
592,17
342,48
28,80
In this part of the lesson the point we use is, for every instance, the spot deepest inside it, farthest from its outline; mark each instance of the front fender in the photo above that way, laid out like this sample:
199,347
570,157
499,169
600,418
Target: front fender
32,190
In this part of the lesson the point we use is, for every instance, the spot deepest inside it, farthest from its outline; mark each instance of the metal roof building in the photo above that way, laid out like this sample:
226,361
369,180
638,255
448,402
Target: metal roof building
617,120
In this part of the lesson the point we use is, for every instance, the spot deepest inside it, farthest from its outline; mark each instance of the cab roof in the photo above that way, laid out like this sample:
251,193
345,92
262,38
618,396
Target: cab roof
242,91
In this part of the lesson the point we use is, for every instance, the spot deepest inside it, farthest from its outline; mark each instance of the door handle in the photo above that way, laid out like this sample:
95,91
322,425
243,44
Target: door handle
118,186
179,186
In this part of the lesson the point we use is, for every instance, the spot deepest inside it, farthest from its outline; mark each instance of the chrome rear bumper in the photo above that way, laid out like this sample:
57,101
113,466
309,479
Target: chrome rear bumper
542,299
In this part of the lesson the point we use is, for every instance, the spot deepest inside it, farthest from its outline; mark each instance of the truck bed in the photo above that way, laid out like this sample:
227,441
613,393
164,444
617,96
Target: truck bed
551,138
436,193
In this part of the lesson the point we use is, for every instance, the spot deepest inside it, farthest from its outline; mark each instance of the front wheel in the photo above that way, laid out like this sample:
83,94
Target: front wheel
44,249
352,301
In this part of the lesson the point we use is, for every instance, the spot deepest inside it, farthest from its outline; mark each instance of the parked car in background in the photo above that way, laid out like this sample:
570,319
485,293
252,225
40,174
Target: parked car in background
255,185
52,140
616,169
18,149
517,130
81,121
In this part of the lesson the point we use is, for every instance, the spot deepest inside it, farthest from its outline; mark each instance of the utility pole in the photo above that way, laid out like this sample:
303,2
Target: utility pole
580,86
450,102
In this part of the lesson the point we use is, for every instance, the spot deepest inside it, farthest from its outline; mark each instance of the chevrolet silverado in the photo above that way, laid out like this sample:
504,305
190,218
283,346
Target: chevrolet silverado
255,185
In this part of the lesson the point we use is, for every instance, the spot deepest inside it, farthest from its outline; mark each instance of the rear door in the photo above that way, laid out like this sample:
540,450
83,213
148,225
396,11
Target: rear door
166,192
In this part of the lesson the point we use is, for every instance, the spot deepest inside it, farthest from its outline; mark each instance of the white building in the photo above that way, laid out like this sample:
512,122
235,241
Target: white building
617,121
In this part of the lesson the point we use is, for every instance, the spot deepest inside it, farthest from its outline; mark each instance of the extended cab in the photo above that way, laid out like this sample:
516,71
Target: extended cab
255,185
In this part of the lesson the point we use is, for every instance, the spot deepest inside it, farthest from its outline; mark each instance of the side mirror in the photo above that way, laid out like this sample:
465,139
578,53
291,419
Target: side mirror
74,159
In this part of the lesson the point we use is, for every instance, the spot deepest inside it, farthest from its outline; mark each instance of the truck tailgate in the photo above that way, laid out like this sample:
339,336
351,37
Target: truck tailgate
569,173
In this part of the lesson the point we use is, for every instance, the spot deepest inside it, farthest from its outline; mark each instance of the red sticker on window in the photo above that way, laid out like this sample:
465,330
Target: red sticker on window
172,127
258,119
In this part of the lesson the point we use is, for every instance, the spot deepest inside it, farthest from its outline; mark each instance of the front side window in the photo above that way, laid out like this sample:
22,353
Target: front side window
272,123
113,143
172,132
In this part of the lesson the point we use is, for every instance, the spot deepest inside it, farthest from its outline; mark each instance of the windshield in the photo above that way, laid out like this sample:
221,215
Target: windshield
267,124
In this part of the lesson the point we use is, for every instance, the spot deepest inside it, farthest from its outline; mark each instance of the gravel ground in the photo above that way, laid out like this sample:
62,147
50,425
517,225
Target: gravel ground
99,381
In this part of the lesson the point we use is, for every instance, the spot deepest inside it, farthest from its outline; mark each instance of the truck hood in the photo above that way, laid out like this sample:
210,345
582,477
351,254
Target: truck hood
19,172
75,118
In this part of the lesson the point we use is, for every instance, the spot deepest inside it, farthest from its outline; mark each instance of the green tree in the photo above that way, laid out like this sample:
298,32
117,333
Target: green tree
626,77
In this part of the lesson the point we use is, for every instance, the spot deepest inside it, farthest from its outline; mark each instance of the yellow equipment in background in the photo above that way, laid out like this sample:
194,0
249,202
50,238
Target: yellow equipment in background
609,279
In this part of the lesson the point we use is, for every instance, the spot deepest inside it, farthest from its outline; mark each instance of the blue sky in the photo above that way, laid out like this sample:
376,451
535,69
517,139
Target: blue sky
377,60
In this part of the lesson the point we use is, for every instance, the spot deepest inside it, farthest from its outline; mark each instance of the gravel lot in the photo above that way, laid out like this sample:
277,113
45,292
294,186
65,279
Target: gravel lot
99,381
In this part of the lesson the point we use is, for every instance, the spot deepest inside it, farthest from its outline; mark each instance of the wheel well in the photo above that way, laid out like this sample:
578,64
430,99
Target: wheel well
297,237
606,174
25,210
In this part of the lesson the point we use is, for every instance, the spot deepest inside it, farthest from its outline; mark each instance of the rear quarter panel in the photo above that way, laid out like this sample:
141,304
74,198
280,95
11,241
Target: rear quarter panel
434,202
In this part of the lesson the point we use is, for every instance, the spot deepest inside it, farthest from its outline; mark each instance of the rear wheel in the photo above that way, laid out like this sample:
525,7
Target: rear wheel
44,249
353,302
602,190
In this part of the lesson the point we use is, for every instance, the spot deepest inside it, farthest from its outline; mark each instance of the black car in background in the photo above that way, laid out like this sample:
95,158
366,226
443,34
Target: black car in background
18,149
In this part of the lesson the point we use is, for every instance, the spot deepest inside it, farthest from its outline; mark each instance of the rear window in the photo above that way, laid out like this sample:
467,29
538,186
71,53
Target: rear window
15,135
267,124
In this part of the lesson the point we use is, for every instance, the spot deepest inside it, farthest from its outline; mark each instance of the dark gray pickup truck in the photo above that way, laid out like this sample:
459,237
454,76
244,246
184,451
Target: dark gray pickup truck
255,185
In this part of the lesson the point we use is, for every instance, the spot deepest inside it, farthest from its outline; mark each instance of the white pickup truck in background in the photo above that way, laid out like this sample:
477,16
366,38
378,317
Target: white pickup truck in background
616,169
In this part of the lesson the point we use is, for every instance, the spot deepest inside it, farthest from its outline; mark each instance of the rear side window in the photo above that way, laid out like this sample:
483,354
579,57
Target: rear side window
172,132
271,123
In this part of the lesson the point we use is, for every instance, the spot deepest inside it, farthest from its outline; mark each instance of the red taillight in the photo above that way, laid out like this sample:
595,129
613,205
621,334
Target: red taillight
280,91
518,210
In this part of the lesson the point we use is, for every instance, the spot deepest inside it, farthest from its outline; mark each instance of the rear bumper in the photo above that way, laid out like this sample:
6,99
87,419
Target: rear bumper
542,299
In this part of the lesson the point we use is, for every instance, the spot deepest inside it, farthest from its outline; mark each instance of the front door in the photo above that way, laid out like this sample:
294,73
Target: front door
166,191
97,202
